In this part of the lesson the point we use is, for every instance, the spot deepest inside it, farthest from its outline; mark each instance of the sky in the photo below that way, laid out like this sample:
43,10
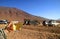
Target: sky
45,8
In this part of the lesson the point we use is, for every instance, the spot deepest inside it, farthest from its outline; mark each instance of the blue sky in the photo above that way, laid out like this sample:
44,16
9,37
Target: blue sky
45,8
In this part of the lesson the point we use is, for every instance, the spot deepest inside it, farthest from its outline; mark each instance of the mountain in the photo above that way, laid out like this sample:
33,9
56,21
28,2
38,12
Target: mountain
11,13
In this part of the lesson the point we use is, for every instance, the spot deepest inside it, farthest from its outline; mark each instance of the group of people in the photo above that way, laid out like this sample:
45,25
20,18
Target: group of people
13,26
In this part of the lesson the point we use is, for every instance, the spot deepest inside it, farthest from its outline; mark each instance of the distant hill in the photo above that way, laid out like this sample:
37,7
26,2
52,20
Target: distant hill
10,13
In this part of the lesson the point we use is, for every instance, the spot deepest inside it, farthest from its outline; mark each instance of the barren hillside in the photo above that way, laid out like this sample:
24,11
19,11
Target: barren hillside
16,14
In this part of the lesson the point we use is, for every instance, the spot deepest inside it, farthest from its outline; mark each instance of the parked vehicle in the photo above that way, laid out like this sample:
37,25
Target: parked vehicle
3,21
30,22
53,23
50,23
26,22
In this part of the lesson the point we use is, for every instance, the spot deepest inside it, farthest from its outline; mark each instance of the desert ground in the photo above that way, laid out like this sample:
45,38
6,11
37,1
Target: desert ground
35,32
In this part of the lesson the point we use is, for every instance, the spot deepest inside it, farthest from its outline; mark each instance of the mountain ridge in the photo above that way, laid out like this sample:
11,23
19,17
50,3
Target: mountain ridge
11,13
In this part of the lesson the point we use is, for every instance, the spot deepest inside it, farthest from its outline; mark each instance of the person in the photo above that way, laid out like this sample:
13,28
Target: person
14,26
2,34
